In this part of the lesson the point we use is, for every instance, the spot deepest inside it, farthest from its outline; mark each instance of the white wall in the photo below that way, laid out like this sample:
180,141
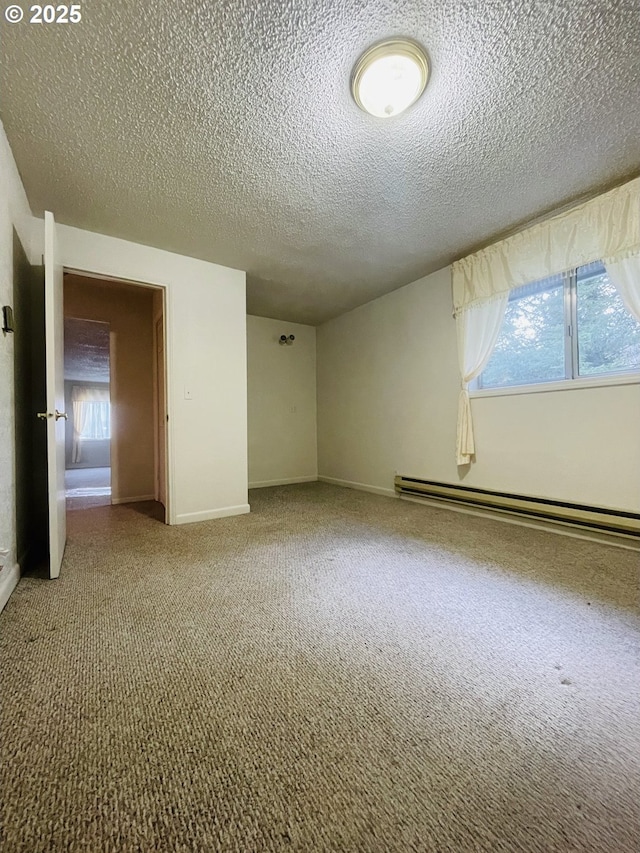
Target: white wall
206,356
387,401
14,213
206,353
281,403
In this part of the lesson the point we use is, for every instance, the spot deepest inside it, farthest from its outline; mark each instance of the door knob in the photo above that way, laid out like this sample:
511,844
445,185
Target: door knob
44,415
61,415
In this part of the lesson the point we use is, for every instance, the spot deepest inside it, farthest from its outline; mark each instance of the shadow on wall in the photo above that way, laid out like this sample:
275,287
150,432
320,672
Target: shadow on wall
31,502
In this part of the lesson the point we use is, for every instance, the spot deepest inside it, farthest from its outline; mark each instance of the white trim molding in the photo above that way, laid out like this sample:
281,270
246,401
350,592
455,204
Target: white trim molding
210,514
287,481
560,385
361,487
9,577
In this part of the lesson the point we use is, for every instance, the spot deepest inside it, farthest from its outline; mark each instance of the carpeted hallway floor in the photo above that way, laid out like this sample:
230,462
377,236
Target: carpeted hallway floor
334,672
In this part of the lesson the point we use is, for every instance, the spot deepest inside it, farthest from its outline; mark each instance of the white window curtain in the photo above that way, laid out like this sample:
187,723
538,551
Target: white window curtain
478,327
625,275
91,416
606,228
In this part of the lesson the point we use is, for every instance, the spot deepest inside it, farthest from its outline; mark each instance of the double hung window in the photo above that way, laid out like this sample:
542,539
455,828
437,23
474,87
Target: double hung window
565,327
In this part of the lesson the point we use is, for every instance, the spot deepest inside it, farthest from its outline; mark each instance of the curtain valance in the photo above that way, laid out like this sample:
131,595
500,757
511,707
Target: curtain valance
604,228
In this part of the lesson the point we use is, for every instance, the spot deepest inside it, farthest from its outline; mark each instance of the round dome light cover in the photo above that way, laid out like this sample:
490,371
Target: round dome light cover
389,77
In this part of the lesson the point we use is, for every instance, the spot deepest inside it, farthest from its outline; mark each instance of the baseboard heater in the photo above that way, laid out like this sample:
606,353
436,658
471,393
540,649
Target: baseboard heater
613,521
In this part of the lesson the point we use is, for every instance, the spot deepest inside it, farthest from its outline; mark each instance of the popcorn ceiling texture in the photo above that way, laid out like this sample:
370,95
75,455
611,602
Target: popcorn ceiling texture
227,131
86,350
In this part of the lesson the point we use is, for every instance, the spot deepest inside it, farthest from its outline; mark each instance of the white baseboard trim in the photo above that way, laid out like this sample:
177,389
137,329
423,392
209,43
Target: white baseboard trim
550,525
209,514
9,577
362,487
135,500
287,481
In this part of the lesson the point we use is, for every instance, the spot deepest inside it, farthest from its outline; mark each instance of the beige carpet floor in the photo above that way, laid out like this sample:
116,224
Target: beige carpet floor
335,672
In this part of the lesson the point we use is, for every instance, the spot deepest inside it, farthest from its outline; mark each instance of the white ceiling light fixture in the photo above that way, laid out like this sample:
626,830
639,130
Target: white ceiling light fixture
389,77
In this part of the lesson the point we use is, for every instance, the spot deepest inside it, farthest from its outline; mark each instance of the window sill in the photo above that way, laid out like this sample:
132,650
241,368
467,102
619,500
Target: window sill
561,385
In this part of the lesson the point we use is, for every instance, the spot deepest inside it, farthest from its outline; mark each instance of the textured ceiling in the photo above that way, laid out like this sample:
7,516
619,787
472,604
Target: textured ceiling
86,350
225,130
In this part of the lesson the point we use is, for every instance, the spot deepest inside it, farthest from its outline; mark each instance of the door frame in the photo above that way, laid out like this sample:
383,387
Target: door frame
160,414
164,291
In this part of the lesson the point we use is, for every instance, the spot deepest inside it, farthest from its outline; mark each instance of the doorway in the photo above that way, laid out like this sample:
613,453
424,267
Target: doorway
87,372
115,394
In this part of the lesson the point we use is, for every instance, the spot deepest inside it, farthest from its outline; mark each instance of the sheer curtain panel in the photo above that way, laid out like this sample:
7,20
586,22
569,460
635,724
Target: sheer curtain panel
478,327
625,275
91,416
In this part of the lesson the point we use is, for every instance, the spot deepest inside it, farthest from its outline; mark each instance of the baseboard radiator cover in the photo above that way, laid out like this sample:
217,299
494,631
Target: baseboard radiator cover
585,517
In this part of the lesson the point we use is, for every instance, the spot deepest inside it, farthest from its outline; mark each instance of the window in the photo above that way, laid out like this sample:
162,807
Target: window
91,413
565,327
94,421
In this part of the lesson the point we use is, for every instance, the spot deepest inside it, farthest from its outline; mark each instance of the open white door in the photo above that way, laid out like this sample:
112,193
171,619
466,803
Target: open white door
55,416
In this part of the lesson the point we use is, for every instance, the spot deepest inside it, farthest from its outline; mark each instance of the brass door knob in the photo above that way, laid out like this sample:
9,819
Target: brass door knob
61,415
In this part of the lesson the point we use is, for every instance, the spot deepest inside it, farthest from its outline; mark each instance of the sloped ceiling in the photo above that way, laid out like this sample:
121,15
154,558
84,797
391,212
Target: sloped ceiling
226,130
